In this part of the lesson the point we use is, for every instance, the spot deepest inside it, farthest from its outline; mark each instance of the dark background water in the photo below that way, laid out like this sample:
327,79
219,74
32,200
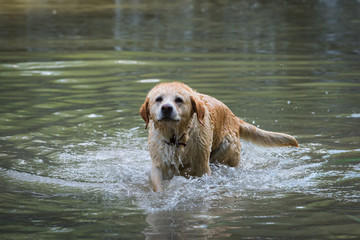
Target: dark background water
73,150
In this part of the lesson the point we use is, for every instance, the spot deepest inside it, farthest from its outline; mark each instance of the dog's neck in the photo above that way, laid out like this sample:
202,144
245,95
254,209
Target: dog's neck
174,134
176,141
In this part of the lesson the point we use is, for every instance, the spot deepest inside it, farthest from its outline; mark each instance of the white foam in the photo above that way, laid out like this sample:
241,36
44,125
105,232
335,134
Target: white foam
121,167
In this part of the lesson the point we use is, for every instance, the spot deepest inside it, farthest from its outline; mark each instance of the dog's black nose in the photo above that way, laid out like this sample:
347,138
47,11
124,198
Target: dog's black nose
166,110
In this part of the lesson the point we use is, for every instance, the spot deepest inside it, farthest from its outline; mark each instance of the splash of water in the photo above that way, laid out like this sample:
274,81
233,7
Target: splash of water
121,168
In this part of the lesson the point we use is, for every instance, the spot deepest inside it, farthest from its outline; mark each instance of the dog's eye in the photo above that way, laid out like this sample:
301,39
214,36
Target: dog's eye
159,99
179,100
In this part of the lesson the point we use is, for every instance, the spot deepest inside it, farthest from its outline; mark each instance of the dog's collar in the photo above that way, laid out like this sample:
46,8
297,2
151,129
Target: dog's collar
174,141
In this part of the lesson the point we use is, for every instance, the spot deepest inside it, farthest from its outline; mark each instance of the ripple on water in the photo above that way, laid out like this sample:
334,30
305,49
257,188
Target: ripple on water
121,168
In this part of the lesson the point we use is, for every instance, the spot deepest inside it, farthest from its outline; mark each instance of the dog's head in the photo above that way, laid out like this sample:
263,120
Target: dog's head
172,103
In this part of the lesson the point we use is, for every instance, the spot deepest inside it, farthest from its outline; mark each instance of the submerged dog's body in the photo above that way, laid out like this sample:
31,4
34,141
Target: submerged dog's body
187,130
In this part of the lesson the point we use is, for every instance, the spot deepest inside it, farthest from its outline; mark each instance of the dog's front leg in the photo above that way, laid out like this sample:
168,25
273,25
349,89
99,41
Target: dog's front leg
156,178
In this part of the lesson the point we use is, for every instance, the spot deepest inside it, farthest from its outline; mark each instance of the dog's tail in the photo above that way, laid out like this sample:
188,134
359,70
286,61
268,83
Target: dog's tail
265,138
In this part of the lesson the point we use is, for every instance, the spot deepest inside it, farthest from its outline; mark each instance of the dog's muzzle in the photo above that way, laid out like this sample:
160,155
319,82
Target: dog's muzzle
167,110
168,113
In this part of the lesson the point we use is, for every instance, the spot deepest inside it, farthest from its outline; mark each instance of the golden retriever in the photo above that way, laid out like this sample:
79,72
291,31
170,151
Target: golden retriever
188,130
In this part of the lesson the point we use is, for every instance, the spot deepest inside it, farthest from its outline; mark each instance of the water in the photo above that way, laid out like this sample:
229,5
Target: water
73,149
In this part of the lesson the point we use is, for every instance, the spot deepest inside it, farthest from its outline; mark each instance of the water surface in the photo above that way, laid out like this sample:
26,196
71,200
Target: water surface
73,148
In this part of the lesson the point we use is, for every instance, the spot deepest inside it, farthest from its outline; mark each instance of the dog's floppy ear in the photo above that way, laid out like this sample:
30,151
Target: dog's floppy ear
144,112
199,108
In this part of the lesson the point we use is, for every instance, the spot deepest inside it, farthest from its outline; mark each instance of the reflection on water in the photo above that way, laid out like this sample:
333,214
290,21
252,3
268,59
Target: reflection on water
73,149
321,27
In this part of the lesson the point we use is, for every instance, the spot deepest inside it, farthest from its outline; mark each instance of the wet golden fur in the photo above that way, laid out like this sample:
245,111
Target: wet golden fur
199,130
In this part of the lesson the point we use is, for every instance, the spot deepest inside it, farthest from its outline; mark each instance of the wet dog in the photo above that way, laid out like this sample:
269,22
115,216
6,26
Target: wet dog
188,130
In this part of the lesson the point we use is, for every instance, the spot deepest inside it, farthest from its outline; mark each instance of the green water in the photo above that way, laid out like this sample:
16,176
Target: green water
74,161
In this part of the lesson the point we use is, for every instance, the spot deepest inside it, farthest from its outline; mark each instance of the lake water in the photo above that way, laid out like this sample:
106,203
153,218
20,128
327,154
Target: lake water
74,160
